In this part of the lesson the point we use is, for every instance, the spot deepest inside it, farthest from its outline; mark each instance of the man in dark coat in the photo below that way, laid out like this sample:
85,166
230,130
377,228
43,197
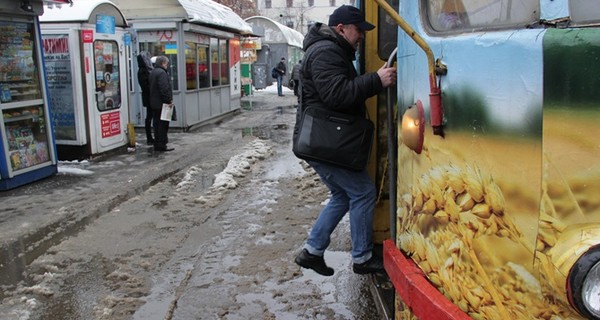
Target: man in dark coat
144,69
161,92
296,76
282,70
330,81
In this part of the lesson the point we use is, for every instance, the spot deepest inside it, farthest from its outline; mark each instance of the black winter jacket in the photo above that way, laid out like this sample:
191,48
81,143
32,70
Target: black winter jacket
329,77
144,70
160,88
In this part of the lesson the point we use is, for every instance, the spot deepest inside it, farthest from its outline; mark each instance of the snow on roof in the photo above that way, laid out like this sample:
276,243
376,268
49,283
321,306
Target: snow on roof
276,32
81,11
210,12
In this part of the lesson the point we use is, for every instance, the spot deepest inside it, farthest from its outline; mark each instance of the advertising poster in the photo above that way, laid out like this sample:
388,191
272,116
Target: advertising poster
235,67
60,85
111,124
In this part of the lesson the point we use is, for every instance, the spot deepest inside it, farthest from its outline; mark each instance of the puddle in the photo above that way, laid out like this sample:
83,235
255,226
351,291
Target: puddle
263,132
78,296
251,105
17,255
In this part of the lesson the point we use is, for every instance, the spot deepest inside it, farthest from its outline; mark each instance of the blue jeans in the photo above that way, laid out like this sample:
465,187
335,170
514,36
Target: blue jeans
351,191
279,85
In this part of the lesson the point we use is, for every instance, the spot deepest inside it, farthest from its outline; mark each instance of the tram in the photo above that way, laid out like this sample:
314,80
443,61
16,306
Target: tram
487,156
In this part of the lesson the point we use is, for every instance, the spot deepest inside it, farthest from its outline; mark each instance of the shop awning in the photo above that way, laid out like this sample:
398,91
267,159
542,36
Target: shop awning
201,12
213,13
275,32
83,11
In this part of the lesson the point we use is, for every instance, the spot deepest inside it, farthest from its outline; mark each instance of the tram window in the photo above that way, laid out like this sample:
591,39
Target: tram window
387,31
584,11
457,15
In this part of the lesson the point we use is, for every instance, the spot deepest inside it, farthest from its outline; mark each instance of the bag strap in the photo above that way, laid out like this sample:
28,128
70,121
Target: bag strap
315,47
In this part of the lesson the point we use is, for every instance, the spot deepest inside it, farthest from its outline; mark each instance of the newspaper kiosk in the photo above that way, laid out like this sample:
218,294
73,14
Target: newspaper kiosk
85,51
27,150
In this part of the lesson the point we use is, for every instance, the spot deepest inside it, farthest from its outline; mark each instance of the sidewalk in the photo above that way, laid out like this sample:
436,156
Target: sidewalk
36,216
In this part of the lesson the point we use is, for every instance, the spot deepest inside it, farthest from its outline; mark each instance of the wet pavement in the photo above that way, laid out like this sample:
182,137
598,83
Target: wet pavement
45,219
37,216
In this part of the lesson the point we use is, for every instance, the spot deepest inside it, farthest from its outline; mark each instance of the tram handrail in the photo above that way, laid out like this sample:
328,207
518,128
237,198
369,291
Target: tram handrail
435,96
392,151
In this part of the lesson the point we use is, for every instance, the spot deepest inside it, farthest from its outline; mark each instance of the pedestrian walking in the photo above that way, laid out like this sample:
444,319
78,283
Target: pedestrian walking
330,81
144,69
281,71
161,92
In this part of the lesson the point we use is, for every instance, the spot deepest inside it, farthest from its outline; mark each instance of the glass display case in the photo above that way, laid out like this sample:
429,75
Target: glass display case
27,142
19,76
26,136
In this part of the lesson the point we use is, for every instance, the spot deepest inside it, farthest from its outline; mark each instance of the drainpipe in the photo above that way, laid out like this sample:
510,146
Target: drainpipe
435,94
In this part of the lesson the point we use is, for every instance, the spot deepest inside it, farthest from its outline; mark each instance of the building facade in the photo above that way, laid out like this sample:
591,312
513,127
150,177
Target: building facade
299,14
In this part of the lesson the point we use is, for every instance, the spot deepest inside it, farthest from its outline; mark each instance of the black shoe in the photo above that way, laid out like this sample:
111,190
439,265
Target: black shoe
163,149
311,261
373,265
150,142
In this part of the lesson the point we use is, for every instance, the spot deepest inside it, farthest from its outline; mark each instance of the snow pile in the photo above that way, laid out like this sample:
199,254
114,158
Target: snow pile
188,180
72,168
237,167
240,164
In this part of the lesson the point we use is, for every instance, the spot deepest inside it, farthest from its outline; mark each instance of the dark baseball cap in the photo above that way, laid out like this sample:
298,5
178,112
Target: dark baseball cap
349,15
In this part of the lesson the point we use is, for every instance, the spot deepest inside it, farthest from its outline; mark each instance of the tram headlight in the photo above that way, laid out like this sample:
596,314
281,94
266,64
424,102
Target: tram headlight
413,127
583,284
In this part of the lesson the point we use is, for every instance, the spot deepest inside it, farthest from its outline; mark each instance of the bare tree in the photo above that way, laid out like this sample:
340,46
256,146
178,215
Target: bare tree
298,18
243,8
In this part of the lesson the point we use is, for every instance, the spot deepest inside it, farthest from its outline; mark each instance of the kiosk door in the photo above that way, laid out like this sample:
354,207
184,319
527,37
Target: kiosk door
107,98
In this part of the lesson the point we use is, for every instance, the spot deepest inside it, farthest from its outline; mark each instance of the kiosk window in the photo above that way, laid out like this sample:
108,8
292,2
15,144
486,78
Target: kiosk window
108,79
219,58
169,50
19,76
224,61
214,61
191,72
203,66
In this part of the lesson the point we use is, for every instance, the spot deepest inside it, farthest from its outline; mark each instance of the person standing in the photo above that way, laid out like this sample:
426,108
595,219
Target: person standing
329,80
144,69
282,70
296,76
161,92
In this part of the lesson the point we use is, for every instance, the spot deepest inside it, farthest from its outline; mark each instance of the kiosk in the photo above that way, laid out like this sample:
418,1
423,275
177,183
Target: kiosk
201,38
27,148
85,50
279,41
